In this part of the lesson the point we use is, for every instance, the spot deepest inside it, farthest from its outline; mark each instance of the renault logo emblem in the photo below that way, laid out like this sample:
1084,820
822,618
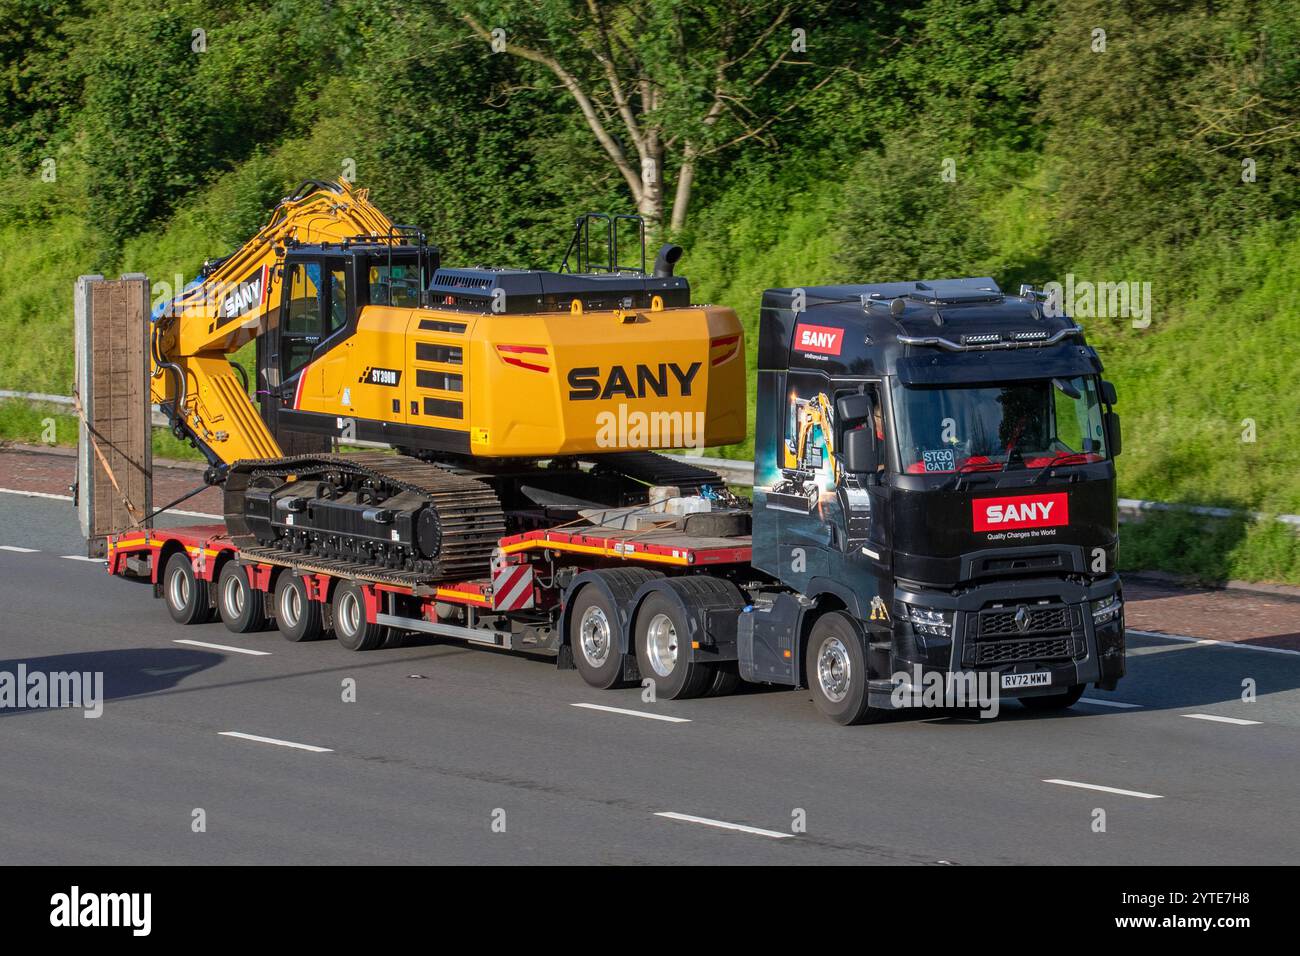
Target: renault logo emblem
1022,618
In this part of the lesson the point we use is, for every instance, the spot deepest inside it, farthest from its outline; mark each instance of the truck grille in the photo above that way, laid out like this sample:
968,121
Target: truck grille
1051,632
1006,652
1000,623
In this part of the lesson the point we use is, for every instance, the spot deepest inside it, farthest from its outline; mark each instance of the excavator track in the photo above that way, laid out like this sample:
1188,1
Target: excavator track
465,514
651,468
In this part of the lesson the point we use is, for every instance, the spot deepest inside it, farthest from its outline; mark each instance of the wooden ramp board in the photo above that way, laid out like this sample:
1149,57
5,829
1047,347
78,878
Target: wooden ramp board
115,458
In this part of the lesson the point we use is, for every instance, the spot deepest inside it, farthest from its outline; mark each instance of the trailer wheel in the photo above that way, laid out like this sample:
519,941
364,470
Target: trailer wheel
185,594
593,636
350,625
663,650
1055,701
298,617
238,604
836,668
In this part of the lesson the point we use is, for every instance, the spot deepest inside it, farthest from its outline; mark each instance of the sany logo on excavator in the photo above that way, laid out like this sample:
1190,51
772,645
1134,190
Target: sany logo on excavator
244,296
587,383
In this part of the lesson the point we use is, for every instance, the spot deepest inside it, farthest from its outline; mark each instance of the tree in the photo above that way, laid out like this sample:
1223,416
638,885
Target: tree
667,86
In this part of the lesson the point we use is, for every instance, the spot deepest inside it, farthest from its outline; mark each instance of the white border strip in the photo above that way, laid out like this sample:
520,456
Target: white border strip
272,740
46,494
1205,640
633,713
724,825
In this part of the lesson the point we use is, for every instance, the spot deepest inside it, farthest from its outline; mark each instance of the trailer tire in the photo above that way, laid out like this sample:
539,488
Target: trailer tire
241,608
836,668
663,650
1054,701
298,617
350,625
593,636
186,595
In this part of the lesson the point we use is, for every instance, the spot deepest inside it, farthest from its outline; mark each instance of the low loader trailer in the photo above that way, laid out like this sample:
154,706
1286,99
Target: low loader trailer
934,500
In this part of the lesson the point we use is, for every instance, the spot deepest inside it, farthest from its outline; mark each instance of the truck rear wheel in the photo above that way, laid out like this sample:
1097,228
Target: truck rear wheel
593,636
350,625
836,669
240,607
297,616
663,650
1055,701
185,594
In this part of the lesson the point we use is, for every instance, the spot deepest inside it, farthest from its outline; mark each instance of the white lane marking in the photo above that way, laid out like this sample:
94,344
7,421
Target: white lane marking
1225,720
724,825
278,743
82,557
1238,645
634,713
45,494
1098,702
1094,786
224,647
10,547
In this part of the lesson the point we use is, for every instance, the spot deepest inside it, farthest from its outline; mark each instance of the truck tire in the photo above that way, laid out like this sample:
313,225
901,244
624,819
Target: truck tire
240,607
185,594
1055,701
663,650
350,625
297,616
836,669
593,636
726,679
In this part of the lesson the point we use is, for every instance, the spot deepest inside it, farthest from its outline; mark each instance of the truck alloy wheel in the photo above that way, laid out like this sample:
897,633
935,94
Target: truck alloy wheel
663,650
186,595
350,625
298,617
836,670
593,637
239,605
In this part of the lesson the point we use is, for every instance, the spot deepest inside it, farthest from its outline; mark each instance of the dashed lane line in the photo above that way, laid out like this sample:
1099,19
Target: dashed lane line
275,741
633,713
1096,786
223,647
1225,720
724,825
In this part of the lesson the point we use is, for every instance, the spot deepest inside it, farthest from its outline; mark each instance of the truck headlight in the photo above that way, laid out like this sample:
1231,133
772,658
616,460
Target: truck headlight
1106,610
926,620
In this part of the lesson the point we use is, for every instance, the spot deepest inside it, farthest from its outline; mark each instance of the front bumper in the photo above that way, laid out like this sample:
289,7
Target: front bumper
1059,636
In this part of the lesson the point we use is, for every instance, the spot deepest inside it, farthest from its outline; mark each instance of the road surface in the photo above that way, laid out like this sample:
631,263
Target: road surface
452,754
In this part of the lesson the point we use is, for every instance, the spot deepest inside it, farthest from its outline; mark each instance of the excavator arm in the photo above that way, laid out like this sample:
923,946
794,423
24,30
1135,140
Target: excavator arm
231,303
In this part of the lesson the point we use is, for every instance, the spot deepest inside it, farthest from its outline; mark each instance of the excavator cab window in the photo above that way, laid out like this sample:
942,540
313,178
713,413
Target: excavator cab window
301,332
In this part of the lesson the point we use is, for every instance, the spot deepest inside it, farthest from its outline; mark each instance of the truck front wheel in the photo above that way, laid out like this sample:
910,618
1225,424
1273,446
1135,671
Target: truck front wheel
186,595
663,650
836,669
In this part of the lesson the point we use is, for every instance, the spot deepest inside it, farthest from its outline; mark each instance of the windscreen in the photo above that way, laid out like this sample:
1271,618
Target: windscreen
1027,424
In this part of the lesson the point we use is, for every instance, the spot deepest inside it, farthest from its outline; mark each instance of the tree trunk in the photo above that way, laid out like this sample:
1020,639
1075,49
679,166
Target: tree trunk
685,180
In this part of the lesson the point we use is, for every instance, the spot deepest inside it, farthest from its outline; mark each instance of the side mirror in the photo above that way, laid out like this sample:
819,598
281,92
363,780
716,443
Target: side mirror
860,453
1108,392
853,408
1113,439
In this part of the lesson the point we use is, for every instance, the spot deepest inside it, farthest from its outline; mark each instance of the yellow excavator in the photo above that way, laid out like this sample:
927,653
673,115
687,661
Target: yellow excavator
515,396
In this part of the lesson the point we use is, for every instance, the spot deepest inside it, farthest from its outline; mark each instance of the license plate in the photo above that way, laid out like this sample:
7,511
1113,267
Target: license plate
1036,679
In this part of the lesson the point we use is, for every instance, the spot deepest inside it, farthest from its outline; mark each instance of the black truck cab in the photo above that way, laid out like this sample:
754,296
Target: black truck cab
935,461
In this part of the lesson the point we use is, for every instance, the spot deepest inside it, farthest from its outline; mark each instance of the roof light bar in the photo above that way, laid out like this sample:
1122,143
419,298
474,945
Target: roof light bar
1019,340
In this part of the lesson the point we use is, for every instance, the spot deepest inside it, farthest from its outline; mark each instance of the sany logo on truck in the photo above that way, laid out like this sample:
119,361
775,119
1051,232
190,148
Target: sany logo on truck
818,338
1025,511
